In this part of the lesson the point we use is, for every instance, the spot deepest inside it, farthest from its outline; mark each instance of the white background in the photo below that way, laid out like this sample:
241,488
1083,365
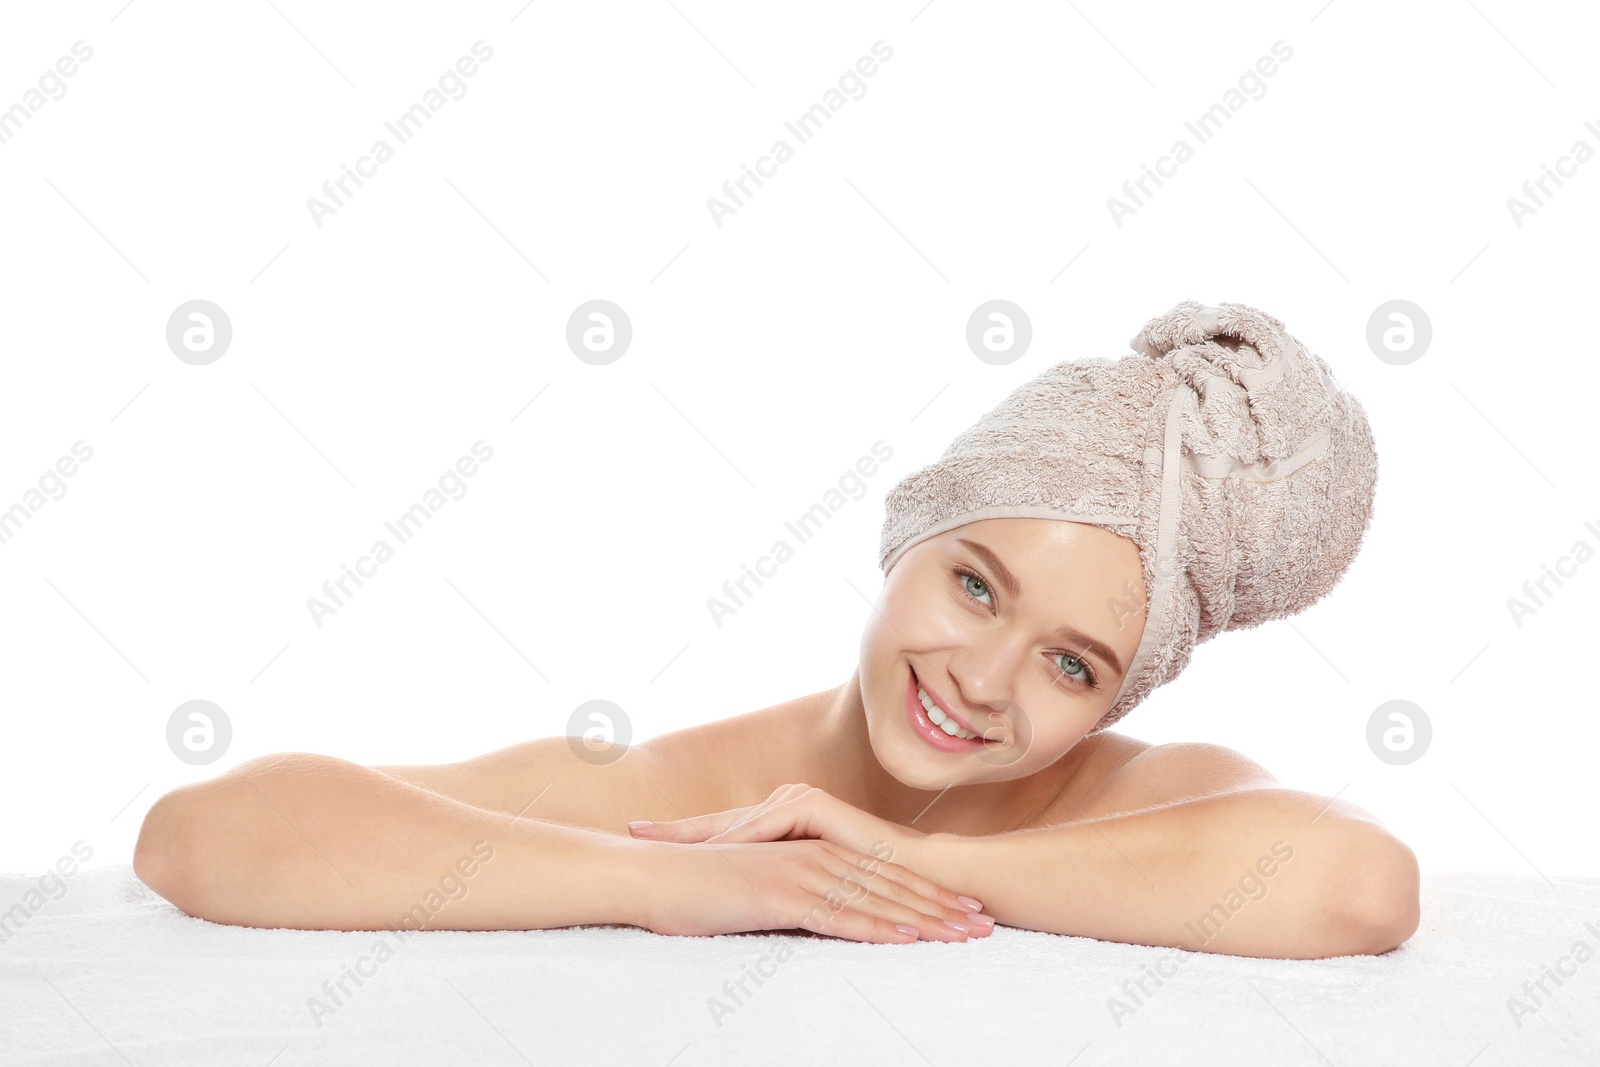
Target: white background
828,312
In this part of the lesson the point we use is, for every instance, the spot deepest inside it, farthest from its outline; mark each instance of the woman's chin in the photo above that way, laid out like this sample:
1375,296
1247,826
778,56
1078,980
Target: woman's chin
930,775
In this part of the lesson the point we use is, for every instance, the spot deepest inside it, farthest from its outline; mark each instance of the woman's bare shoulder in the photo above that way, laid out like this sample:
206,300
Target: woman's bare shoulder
1124,774
561,779
727,758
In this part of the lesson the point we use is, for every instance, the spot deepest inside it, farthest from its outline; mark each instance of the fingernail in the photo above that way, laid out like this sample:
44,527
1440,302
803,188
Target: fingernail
955,925
640,825
983,920
910,931
970,904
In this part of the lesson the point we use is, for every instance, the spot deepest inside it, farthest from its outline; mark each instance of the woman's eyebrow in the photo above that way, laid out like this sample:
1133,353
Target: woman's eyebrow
1007,579
1094,647
1014,589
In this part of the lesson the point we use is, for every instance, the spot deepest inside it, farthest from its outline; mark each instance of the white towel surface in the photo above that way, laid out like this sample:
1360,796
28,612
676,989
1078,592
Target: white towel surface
110,973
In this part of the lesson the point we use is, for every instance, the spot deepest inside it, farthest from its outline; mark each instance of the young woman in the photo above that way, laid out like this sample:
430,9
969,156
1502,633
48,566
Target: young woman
1059,562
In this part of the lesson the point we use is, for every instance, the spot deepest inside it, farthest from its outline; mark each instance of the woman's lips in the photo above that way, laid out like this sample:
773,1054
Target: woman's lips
924,728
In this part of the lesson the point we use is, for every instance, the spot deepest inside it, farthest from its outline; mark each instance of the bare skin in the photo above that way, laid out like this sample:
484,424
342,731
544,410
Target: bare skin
826,739
974,613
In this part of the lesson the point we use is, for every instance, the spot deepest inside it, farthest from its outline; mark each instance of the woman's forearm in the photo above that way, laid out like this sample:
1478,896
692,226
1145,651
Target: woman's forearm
1261,872
314,842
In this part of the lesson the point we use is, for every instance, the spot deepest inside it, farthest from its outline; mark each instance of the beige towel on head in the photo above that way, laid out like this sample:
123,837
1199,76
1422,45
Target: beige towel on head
1223,449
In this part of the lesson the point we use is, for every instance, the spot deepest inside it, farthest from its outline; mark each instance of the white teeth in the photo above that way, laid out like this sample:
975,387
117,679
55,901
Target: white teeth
937,716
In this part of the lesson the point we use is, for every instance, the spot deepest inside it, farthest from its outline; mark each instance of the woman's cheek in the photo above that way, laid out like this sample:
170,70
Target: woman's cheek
904,622
934,616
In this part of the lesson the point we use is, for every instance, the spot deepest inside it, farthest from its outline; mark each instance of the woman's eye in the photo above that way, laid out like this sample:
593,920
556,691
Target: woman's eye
970,580
1076,663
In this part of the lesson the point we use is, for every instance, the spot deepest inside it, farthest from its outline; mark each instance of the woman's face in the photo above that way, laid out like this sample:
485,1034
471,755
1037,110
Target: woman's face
1019,627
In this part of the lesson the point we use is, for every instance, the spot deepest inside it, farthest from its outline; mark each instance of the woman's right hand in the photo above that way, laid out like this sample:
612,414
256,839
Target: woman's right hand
703,889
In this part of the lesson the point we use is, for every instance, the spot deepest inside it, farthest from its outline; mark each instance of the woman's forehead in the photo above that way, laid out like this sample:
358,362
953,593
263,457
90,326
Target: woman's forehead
1040,541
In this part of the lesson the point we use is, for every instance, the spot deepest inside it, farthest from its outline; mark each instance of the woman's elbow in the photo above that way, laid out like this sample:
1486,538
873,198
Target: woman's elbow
1388,909
180,839
161,857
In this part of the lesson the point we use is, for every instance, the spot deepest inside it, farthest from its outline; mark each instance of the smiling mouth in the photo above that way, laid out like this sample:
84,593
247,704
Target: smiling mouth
934,724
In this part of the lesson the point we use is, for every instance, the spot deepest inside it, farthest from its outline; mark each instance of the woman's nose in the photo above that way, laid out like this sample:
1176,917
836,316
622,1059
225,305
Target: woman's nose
985,673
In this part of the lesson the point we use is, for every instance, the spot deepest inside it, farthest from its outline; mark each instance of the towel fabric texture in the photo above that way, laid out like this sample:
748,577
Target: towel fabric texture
109,973
1223,448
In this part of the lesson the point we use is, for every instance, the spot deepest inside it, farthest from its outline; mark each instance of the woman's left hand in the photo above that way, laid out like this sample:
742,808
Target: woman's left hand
790,813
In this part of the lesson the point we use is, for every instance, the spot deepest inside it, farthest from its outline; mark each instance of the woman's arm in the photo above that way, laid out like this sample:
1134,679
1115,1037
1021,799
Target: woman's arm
1267,872
313,842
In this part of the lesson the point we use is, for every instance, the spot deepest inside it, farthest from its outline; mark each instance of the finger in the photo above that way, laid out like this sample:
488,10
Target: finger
792,812
770,823
694,828
926,887
707,827
826,918
859,888
932,911
935,902
859,900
